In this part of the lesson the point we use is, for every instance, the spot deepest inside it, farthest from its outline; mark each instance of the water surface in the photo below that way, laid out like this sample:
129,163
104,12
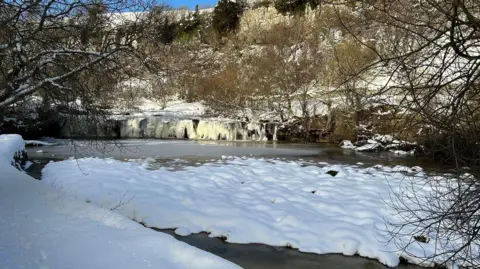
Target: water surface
258,256
176,154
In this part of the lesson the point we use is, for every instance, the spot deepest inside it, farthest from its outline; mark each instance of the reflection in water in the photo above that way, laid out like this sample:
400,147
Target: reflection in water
257,256
167,149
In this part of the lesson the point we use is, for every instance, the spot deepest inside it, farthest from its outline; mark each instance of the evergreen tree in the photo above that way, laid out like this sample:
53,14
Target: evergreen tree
226,16
188,26
166,31
194,21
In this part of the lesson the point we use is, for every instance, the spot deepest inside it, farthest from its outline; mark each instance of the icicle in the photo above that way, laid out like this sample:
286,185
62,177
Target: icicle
208,129
275,126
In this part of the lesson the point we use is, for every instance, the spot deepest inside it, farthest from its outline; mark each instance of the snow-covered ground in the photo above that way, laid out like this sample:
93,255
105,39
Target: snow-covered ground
247,200
41,227
38,143
174,109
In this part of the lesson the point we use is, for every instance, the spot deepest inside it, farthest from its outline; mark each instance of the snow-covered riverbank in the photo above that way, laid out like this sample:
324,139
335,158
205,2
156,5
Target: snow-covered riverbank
281,203
41,227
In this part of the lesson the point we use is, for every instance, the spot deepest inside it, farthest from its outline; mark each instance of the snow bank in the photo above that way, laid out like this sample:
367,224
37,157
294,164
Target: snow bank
42,228
38,143
176,109
187,109
266,201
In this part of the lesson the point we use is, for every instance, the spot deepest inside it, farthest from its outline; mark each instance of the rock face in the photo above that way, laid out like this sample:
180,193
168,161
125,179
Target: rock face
255,21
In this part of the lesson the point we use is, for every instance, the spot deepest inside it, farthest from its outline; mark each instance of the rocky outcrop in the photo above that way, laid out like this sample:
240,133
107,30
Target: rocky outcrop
255,21
384,143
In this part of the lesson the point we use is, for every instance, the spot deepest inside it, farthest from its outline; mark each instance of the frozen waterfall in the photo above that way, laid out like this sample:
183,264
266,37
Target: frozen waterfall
177,128
208,129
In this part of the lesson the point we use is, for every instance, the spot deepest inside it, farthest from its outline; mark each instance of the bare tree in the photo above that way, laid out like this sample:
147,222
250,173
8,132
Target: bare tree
431,51
57,51
347,60
290,65
230,92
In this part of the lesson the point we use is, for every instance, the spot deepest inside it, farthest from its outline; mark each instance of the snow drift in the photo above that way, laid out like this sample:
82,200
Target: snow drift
42,228
299,204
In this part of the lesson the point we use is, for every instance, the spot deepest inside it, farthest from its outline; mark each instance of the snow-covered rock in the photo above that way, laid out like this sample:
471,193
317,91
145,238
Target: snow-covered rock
379,142
370,147
383,138
347,144
404,153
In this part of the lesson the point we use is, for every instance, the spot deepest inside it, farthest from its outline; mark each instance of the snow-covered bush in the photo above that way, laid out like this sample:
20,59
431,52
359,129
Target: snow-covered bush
12,150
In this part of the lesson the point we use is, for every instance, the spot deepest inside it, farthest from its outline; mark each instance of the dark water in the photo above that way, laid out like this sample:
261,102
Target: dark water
258,256
165,149
165,152
249,256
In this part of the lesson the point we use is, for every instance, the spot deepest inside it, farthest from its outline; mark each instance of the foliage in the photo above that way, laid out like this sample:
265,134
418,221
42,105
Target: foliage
188,26
163,27
66,57
226,16
40,49
168,29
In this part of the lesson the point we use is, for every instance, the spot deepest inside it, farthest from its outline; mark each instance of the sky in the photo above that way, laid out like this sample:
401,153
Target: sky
190,3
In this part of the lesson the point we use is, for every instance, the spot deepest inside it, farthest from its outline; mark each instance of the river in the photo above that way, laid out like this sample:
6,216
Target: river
169,152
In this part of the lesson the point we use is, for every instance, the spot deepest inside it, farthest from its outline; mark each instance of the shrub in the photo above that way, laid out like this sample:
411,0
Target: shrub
344,127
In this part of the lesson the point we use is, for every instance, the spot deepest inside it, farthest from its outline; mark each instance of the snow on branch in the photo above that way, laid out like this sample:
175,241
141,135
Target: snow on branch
44,44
